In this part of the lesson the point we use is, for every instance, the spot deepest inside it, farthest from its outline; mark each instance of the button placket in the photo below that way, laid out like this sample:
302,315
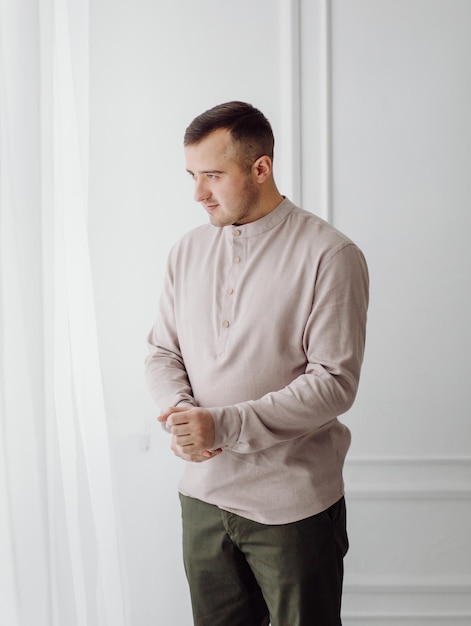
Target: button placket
236,261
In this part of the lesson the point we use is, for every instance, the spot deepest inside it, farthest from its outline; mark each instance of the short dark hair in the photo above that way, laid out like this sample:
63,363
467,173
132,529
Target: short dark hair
248,127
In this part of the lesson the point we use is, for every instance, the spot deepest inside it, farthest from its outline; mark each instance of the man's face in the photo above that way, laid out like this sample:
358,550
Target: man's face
228,193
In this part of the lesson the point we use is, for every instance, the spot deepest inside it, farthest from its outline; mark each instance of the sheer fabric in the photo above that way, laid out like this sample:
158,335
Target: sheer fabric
59,549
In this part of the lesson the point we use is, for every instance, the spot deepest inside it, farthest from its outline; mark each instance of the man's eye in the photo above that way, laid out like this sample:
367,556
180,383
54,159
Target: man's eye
212,176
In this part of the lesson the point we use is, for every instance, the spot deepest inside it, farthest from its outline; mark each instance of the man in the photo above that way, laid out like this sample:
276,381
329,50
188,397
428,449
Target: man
256,351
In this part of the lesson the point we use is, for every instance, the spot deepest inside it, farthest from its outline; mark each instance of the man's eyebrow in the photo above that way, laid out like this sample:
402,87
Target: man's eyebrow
206,172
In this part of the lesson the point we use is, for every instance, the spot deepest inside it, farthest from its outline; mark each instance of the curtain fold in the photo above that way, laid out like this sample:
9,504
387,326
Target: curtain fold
24,566
77,375
60,559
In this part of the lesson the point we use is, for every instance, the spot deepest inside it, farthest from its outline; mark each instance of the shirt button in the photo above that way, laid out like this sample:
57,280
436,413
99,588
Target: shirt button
237,233
225,324
237,259
230,291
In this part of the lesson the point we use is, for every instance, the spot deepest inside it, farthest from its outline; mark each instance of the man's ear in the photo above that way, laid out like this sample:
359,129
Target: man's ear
262,168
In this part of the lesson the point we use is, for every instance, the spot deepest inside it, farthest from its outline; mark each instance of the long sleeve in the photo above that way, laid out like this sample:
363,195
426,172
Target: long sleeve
165,371
334,341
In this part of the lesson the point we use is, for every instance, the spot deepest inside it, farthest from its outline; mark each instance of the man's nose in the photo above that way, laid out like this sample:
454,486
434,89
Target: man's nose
201,191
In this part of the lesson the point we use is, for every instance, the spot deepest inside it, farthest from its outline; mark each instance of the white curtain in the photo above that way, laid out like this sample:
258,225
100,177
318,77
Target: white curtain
59,550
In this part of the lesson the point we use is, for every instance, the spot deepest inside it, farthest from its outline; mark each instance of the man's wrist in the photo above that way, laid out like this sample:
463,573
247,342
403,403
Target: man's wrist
226,426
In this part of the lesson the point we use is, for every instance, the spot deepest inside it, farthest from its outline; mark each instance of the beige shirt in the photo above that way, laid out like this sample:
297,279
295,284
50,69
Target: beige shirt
264,324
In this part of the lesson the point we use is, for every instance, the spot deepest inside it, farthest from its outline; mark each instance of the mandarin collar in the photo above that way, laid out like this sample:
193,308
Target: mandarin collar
264,224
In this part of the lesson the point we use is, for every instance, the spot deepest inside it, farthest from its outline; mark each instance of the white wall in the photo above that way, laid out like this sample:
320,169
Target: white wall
369,101
401,78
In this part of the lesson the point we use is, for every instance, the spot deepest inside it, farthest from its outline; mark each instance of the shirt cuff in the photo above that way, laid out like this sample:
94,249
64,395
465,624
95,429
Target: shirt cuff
227,425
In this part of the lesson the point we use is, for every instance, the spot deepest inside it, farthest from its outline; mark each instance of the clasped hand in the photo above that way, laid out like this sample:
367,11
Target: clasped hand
192,431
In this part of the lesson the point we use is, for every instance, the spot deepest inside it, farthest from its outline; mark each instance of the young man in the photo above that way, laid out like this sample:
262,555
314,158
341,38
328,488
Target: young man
256,351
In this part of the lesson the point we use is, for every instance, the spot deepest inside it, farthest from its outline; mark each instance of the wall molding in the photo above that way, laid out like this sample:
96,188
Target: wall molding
408,478
383,618
408,599
325,109
306,162
408,584
290,70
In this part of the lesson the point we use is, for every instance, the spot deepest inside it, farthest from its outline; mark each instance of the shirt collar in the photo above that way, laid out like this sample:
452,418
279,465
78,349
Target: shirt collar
265,223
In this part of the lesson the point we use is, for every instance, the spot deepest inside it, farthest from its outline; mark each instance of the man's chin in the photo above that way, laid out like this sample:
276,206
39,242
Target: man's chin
217,221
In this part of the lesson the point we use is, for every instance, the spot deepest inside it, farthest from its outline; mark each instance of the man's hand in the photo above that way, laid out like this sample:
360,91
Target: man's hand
194,458
192,431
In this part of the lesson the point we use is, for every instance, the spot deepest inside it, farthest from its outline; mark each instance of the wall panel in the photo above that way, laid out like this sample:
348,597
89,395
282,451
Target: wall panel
400,80
408,527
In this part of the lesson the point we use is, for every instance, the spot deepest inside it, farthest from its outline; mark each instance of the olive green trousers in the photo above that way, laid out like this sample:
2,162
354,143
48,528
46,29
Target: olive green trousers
243,573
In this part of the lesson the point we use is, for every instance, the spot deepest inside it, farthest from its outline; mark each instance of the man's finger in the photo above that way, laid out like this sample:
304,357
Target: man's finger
210,453
168,412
